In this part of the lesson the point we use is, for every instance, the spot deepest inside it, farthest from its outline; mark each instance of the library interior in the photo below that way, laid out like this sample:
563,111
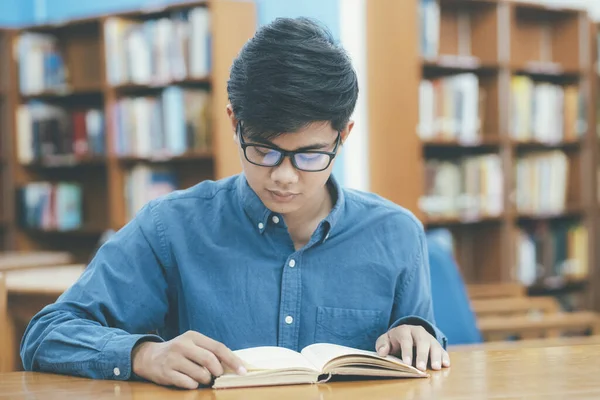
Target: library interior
479,117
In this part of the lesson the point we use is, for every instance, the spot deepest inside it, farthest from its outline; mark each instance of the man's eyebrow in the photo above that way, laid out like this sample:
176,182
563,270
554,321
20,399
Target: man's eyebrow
316,146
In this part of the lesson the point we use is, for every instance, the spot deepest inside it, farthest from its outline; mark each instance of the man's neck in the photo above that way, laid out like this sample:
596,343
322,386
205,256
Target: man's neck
302,224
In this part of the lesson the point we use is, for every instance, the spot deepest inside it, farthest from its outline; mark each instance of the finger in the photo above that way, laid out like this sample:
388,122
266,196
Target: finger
382,345
197,372
445,359
423,342
435,355
223,353
204,358
402,341
180,380
227,357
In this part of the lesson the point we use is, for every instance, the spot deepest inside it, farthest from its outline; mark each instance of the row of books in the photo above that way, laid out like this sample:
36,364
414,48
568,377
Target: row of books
173,123
541,182
546,112
558,251
51,206
451,108
468,188
152,52
41,64
159,51
46,131
144,183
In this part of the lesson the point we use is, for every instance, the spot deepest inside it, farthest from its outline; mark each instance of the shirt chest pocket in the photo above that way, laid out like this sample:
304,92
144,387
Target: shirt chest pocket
349,327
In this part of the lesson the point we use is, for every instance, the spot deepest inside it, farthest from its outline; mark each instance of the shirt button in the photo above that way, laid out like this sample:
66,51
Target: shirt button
275,219
292,263
117,371
289,319
261,225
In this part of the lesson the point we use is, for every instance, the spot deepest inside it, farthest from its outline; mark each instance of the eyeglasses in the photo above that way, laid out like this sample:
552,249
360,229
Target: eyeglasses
271,156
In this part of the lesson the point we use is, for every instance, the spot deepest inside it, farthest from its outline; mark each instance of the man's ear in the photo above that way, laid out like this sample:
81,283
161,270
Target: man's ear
344,134
233,120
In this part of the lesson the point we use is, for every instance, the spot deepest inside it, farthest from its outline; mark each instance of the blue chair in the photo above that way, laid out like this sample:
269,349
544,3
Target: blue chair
451,303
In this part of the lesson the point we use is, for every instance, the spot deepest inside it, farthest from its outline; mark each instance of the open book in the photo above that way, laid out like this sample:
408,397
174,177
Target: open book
315,364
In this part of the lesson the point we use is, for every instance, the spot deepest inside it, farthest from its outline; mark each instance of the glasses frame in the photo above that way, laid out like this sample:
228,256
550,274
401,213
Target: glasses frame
286,153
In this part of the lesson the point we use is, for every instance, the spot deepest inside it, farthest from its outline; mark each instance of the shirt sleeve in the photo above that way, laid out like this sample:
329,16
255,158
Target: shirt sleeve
413,304
119,299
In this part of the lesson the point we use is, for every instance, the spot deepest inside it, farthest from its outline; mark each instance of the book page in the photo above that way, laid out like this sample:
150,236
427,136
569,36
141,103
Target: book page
272,358
320,354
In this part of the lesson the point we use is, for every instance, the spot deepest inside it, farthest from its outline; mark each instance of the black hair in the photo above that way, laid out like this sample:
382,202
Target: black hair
290,74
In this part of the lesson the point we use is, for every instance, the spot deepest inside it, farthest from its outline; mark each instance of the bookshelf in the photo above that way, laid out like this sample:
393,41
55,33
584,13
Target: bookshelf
95,101
489,104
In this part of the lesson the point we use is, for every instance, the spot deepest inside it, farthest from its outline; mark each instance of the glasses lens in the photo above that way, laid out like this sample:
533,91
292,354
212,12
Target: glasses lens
262,155
311,161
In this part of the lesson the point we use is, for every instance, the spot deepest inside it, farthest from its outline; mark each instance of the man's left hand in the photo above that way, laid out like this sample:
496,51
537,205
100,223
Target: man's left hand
400,341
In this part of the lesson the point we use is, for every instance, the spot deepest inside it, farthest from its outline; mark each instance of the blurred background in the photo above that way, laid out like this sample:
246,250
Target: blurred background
480,116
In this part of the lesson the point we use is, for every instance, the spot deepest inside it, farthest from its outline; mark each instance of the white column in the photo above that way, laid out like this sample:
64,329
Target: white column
353,31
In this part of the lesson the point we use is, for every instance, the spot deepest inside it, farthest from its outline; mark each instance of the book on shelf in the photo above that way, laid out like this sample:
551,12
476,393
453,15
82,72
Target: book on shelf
41,65
144,183
171,124
542,180
158,51
565,243
468,188
46,132
451,108
51,206
317,363
429,16
546,112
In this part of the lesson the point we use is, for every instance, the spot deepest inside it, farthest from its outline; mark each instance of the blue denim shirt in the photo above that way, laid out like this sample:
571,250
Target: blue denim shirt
213,259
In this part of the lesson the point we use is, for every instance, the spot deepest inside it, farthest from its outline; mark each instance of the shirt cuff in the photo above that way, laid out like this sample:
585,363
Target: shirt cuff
429,327
117,355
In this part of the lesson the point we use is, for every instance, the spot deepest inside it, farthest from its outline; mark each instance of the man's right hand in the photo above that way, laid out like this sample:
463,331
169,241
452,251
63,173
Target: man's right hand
186,361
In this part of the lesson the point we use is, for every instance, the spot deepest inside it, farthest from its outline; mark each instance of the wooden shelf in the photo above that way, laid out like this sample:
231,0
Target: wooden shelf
81,232
535,145
570,212
445,64
441,222
189,157
471,3
67,162
451,149
485,141
160,9
547,71
63,25
94,90
133,88
544,7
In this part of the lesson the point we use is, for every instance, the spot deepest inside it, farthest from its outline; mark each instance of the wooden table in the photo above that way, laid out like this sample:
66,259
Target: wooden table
26,291
555,372
12,260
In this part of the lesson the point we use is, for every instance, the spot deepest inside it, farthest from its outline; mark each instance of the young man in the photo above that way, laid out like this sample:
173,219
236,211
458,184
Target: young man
280,255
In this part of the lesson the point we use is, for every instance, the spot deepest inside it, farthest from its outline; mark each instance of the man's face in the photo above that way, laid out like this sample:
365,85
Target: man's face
285,189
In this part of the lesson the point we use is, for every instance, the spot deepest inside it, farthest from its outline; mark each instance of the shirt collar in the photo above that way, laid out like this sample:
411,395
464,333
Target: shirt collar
253,205
259,214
